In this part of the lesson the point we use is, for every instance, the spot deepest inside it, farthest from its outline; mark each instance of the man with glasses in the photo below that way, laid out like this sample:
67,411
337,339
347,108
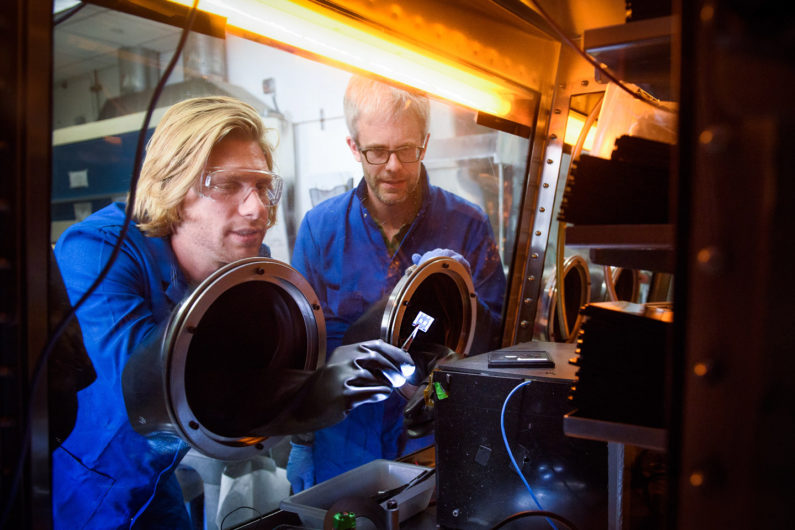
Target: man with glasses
205,198
355,247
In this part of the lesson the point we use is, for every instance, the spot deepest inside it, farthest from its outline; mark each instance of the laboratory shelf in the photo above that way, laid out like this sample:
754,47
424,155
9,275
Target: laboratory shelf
638,247
608,431
637,51
637,237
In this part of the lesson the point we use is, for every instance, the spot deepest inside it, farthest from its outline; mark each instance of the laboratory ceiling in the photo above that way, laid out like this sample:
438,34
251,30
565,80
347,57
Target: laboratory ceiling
90,39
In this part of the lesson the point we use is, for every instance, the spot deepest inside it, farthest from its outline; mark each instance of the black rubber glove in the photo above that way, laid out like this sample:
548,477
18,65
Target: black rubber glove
364,372
289,401
425,356
417,416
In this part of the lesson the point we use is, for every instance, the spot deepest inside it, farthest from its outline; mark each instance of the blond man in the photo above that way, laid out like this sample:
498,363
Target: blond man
206,197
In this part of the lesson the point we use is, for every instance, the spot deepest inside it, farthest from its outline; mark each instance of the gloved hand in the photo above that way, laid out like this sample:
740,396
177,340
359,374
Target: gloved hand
417,416
425,356
363,372
300,467
418,259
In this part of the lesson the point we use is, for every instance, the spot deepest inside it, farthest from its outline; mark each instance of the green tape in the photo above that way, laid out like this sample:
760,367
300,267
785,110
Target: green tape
440,393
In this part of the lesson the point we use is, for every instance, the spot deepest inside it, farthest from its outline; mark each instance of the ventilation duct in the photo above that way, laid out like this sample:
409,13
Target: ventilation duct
204,74
204,57
139,69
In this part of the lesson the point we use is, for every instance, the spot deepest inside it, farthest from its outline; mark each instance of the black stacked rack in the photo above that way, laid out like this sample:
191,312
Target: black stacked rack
622,360
632,187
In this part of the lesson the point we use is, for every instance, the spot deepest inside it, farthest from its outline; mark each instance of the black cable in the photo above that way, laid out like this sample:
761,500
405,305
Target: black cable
221,526
69,14
42,361
640,94
535,513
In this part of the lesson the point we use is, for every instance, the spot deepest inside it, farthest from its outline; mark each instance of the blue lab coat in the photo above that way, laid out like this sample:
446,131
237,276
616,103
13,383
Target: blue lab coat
106,475
341,252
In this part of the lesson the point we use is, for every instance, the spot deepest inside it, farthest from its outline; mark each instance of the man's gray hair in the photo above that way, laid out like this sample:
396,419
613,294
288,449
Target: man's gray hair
368,96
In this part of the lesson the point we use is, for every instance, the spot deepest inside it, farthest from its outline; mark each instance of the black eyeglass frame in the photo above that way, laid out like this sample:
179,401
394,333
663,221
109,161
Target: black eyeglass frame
406,149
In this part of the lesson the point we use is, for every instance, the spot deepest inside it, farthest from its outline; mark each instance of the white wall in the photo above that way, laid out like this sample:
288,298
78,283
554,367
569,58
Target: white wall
309,95
304,88
79,99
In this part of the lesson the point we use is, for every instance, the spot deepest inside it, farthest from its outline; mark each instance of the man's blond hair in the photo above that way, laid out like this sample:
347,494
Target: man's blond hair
178,151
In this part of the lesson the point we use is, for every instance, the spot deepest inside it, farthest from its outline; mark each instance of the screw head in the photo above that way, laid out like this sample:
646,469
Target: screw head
701,369
711,260
697,478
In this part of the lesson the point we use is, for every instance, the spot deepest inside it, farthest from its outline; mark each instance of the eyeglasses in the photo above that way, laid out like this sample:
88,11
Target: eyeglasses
235,185
379,155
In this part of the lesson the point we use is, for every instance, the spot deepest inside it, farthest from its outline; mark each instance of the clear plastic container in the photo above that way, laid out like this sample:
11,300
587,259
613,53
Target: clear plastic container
365,481
622,114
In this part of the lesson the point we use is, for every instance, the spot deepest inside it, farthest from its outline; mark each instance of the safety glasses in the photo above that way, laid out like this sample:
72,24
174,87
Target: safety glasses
235,185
